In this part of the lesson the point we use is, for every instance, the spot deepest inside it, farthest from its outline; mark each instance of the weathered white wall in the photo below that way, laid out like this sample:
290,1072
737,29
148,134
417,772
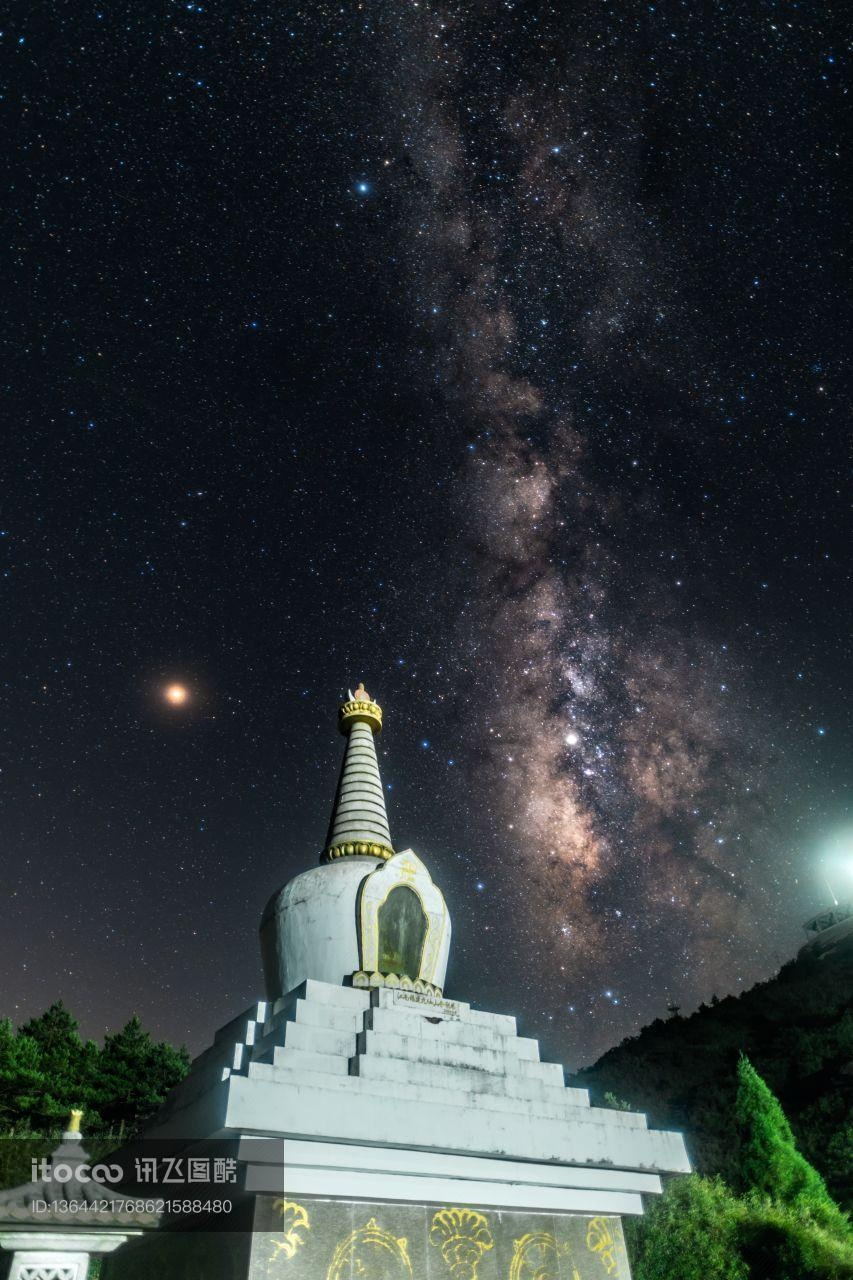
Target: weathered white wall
309,928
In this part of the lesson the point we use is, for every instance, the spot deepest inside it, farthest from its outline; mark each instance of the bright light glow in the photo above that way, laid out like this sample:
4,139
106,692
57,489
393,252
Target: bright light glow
836,863
838,848
176,694
572,739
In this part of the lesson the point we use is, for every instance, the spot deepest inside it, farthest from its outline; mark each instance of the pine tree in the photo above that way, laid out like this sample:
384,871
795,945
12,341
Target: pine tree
55,1031
63,1062
22,1082
46,1070
769,1162
134,1075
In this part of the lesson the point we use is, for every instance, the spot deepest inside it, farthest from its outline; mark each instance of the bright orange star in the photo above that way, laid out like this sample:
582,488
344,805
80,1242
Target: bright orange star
176,694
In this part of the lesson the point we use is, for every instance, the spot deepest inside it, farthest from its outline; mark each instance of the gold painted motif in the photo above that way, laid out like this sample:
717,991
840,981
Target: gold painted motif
294,1224
358,848
536,1257
599,1240
463,1236
372,1253
364,710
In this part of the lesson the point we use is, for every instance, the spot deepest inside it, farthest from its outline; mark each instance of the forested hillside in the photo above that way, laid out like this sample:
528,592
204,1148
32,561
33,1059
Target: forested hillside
797,1030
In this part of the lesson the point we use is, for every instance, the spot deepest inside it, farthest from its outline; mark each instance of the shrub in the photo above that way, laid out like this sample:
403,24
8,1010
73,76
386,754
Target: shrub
783,1243
691,1233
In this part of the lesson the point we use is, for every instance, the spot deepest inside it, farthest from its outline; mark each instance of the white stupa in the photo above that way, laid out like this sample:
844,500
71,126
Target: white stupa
415,1137
325,923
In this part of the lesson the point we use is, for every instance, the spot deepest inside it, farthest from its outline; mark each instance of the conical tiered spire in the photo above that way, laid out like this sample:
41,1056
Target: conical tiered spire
359,824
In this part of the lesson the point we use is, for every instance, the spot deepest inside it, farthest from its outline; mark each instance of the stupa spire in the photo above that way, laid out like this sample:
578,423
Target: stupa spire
359,823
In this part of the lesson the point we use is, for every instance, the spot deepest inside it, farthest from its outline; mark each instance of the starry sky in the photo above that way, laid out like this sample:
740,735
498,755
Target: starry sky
492,353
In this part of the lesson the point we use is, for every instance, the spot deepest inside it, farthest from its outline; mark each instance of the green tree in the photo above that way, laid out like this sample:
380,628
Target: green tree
46,1070
64,1060
134,1074
691,1233
22,1081
769,1162
55,1032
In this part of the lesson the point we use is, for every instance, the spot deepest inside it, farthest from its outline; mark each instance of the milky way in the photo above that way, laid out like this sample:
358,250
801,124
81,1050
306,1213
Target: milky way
622,740
492,353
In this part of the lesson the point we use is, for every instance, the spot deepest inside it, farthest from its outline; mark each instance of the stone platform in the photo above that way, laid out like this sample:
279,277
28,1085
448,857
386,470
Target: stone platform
391,1096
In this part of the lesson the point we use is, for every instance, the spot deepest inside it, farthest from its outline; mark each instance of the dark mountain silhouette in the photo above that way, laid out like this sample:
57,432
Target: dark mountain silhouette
796,1029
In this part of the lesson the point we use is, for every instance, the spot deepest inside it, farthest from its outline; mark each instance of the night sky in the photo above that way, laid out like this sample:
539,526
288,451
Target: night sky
492,353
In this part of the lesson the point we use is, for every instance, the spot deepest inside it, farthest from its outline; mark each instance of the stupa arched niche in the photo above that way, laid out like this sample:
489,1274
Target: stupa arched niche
404,926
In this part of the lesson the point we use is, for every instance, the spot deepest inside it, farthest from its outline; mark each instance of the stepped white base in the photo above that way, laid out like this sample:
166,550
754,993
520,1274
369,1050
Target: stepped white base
397,1097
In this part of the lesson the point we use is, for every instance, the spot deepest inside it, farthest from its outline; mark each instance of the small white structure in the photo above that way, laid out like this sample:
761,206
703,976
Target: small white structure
55,1223
415,1137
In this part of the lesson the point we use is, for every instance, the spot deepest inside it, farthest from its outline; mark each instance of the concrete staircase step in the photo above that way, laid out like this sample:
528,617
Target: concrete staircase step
325,993
458,1079
302,1060
341,1044
424,1050
571,1106
400,1022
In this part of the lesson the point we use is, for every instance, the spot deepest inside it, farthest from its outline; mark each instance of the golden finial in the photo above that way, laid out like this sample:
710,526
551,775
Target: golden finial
74,1124
359,707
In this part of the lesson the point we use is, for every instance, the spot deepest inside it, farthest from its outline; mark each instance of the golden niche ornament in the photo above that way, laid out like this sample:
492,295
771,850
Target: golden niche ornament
373,1253
462,1236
